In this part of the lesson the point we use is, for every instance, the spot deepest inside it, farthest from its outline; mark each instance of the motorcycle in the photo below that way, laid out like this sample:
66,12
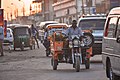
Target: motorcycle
79,46
78,49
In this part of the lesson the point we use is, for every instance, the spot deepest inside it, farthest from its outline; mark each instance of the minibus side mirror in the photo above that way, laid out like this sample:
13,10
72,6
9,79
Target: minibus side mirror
118,39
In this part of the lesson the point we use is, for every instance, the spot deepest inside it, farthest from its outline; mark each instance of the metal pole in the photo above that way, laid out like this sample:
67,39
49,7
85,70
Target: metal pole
23,7
43,9
0,4
16,10
30,9
10,12
76,10
7,16
83,12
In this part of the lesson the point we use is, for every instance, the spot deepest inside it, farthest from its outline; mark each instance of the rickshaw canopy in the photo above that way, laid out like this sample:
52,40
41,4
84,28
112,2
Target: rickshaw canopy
60,25
21,29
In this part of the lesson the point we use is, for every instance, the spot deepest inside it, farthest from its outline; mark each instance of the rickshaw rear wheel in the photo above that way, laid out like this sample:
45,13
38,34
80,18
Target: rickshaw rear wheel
54,63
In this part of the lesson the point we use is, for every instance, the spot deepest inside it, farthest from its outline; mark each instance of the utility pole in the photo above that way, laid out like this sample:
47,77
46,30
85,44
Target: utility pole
43,9
23,9
83,12
0,3
76,2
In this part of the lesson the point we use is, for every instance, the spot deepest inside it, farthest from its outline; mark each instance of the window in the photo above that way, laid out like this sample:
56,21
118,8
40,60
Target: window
93,24
21,31
111,27
118,29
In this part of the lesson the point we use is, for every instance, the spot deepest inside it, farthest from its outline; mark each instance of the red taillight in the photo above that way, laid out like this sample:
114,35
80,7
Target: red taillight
106,27
106,32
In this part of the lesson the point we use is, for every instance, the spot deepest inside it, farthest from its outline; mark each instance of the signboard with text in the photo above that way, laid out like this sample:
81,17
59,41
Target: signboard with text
1,17
5,28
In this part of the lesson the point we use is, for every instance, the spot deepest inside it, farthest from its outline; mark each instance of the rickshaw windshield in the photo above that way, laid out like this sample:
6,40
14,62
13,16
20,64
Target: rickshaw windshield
51,31
58,36
21,31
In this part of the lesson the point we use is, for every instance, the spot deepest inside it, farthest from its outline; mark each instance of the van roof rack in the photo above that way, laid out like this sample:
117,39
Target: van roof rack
94,15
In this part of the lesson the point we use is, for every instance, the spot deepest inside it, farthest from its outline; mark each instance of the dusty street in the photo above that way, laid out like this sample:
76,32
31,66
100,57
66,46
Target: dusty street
34,65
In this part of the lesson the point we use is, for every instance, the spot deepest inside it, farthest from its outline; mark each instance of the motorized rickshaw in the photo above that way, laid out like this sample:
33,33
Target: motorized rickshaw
22,37
60,48
51,28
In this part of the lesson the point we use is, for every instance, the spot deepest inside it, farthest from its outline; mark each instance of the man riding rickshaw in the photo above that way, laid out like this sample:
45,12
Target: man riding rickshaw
66,46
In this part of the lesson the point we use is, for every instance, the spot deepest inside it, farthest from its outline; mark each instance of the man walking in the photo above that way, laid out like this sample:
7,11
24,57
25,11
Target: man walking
34,32
1,40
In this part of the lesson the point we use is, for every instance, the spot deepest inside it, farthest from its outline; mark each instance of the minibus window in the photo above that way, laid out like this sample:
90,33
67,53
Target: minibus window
118,29
110,29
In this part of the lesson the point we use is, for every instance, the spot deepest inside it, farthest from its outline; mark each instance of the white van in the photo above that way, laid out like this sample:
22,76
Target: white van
111,45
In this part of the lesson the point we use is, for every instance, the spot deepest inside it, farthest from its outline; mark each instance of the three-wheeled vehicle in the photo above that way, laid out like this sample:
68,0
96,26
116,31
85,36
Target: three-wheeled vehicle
50,29
61,47
22,37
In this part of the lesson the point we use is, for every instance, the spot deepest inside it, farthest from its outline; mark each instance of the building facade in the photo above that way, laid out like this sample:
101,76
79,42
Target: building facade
44,11
67,10
64,11
111,4
48,10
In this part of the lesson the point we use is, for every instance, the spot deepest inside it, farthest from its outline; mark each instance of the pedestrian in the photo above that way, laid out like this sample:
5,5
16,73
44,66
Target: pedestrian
46,41
34,33
1,40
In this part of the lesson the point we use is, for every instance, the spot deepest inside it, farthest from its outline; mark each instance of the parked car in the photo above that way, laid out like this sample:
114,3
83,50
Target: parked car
9,37
95,24
111,45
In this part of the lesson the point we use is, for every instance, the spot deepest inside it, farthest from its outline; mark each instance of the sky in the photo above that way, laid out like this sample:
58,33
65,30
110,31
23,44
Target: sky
8,8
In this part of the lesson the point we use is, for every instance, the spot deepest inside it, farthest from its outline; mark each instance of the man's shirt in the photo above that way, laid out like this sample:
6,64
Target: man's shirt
34,31
71,31
45,35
